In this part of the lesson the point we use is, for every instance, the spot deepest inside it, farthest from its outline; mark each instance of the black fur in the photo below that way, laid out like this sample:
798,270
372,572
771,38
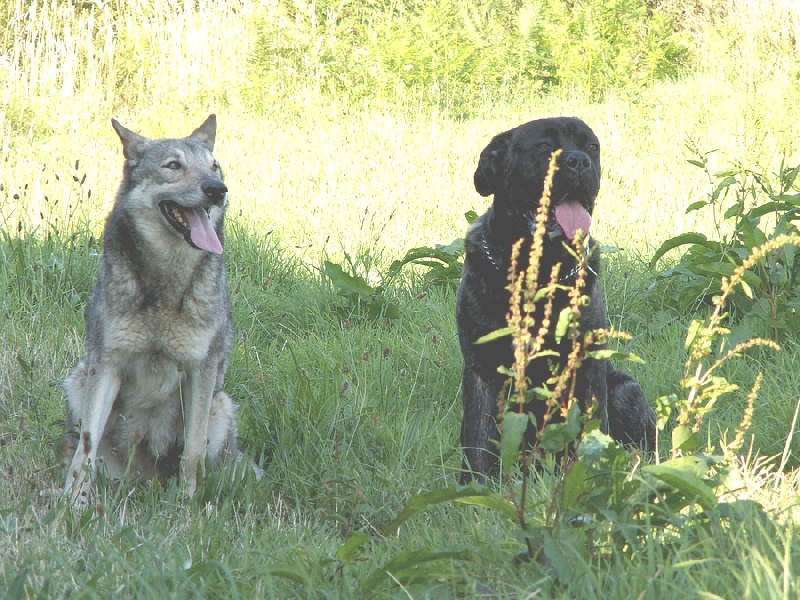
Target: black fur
513,168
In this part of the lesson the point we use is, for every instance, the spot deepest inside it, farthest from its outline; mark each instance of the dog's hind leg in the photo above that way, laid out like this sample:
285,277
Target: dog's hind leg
91,392
222,446
631,419
222,429
479,432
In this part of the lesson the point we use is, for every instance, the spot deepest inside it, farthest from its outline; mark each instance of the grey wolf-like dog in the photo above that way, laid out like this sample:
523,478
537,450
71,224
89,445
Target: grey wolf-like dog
512,168
147,400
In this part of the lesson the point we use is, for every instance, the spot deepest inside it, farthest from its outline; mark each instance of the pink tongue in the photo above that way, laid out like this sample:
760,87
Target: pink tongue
201,231
571,216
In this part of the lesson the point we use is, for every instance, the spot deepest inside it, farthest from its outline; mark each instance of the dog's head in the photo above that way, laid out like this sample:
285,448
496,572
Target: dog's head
176,184
514,165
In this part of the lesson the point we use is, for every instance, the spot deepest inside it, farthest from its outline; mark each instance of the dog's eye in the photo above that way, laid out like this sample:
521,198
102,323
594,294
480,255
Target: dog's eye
173,164
593,147
215,167
543,146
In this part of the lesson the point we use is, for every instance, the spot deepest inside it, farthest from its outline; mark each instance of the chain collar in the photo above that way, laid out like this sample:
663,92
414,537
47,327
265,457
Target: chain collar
577,268
571,275
488,253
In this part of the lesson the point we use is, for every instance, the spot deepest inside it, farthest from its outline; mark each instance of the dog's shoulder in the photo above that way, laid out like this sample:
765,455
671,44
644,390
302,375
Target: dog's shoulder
473,240
485,248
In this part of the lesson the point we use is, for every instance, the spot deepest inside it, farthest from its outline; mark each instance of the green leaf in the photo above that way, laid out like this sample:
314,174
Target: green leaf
684,475
608,354
574,484
379,306
445,254
419,503
471,216
352,547
594,445
407,563
290,574
494,335
566,556
691,335
724,269
664,406
556,436
750,234
24,365
347,284
494,502
714,269
767,208
791,199
696,163
514,427
682,240
683,438
723,185
733,210
562,326
696,205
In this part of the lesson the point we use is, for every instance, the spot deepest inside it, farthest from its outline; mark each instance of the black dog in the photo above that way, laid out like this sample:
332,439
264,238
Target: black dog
513,168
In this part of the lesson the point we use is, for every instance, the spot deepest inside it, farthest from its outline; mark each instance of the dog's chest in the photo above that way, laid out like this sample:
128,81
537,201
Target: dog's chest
150,402
176,317
175,335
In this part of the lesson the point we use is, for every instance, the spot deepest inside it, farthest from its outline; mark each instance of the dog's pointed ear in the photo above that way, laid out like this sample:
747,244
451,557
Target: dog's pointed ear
488,175
206,132
132,143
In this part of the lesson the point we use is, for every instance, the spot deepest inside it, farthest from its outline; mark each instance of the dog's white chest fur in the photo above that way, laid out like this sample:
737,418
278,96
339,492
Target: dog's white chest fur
175,336
150,402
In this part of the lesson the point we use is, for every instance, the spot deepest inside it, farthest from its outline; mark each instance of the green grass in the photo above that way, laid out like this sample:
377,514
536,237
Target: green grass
351,414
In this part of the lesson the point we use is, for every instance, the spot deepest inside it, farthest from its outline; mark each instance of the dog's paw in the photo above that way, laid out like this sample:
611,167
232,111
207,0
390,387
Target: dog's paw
79,494
259,472
78,486
190,487
81,500
241,466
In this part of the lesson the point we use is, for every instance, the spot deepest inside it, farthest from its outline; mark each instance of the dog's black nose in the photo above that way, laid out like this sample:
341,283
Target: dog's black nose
215,190
577,161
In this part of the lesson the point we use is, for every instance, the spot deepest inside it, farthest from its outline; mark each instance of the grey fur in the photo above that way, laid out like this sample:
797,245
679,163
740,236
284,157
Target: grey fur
147,400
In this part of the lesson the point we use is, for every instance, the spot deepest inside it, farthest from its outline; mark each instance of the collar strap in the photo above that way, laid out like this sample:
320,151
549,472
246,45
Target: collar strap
488,254
498,267
577,269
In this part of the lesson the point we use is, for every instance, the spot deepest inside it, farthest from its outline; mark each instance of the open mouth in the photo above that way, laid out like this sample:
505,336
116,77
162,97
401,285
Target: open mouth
565,220
571,216
193,225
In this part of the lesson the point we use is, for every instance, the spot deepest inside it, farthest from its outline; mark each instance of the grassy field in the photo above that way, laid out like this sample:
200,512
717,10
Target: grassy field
352,415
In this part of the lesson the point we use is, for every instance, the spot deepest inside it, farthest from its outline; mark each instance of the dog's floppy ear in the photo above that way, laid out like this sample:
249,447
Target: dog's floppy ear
132,143
206,132
488,175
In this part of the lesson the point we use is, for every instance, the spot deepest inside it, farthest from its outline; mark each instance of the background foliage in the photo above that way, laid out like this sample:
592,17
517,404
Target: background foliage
349,133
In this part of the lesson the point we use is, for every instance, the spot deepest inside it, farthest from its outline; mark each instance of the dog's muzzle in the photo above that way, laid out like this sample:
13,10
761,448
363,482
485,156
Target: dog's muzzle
215,191
193,224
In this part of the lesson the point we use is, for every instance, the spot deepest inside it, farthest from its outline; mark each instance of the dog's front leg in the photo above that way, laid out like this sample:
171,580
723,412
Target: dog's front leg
99,393
196,410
